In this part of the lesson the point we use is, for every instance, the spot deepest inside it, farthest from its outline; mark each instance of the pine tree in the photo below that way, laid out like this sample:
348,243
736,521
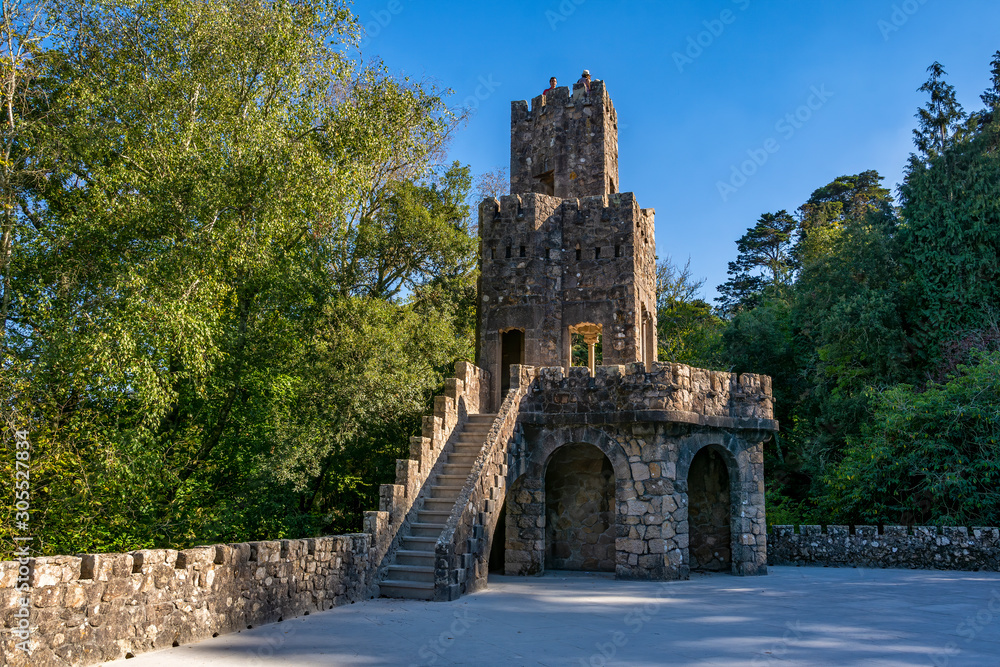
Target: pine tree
765,264
942,119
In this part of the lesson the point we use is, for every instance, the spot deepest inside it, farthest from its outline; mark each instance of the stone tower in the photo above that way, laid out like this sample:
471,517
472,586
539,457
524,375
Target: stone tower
565,253
566,147
642,468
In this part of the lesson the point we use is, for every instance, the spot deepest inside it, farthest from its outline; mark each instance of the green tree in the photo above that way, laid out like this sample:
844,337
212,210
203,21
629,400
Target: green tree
829,208
688,331
950,240
991,97
942,121
765,265
208,336
930,456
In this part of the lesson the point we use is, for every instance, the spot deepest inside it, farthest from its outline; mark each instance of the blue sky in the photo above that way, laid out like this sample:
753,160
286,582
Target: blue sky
700,88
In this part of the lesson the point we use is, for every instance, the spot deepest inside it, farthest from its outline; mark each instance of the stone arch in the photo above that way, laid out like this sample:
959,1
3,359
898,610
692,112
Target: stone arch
733,455
709,511
526,514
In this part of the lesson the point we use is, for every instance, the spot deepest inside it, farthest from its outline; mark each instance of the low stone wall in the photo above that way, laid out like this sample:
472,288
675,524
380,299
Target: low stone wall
925,547
87,609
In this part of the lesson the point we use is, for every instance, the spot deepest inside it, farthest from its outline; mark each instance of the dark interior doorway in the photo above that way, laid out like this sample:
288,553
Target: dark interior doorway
497,549
579,510
511,352
709,512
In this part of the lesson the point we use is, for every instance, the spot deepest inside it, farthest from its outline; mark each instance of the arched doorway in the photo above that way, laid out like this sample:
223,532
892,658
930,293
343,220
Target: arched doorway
579,510
511,352
709,512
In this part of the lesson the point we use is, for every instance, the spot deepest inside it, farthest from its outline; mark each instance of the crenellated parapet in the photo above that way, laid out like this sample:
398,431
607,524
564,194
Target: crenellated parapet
667,392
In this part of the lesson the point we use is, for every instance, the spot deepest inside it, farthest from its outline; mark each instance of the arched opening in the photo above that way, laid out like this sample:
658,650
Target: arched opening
585,345
579,510
709,512
511,352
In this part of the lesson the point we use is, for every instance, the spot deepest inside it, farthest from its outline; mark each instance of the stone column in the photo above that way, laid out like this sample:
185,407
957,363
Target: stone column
591,341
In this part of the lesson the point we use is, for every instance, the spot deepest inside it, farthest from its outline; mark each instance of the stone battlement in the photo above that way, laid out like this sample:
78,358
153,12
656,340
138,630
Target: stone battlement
559,98
588,231
691,395
566,144
922,547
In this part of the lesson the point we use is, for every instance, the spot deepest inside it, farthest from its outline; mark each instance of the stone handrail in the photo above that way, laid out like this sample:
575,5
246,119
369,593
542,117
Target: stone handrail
461,560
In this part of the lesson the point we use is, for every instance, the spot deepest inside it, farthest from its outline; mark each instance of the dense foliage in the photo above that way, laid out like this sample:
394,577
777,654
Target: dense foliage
233,270
875,321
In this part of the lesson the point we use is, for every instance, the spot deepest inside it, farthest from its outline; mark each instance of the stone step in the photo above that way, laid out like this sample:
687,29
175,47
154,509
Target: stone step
468,447
485,417
433,516
448,479
411,557
439,504
426,529
457,469
411,590
441,491
470,439
411,573
412,543
460,458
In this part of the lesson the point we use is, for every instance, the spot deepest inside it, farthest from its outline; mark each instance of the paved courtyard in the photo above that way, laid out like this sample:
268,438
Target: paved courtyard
794,616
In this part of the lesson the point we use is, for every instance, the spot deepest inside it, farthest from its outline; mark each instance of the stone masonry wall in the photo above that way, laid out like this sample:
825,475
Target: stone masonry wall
688,395
87,609
92,608
650,426
927,547
549,264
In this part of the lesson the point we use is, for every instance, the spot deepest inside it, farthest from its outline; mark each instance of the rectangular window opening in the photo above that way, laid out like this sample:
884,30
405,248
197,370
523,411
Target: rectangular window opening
523,251
508,252
597,253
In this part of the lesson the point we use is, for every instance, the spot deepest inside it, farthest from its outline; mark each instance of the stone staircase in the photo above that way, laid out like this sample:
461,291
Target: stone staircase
411,572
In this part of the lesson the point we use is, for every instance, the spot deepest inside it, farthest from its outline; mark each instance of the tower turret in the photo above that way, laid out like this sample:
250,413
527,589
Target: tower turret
581,261
566,145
